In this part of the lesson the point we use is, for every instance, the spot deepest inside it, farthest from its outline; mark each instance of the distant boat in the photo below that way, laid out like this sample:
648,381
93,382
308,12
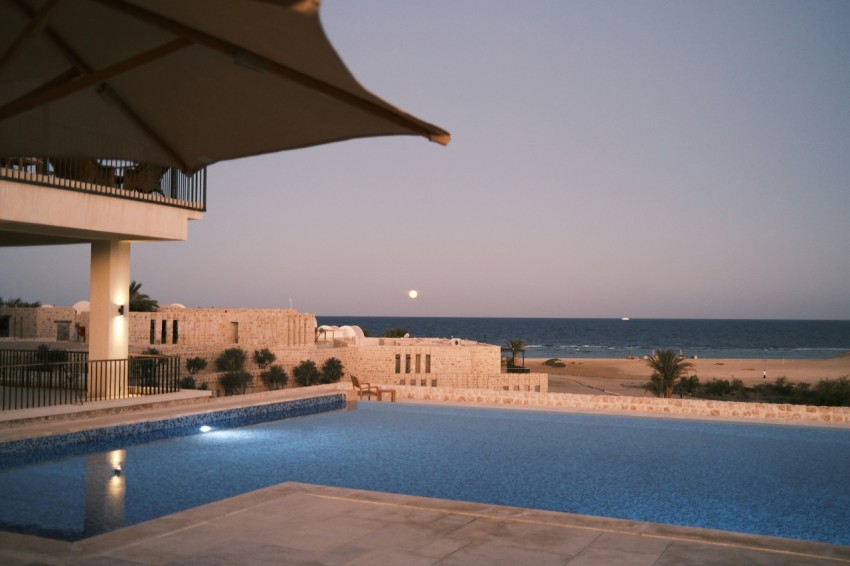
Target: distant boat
625,318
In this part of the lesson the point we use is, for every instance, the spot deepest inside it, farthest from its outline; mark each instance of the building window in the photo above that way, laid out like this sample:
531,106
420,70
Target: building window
174,332
407,363
427,363
418,363
153,332
398,363
164,339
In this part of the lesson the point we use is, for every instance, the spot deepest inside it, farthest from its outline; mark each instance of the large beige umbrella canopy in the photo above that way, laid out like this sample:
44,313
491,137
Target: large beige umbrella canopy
184,83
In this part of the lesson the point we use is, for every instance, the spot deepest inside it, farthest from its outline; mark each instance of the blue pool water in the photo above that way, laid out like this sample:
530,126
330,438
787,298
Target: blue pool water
773,480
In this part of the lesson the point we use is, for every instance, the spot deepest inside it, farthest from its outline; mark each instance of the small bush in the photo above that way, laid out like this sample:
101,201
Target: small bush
263,358
274,377
232,360
686,385
194,365
144,371
832,392
188,382
555,363
332,371
398,332
306,373
45,355
235,382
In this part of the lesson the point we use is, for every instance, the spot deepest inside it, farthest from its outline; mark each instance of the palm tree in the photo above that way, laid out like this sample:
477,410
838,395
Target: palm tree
667,366
17,302
516,345
140,302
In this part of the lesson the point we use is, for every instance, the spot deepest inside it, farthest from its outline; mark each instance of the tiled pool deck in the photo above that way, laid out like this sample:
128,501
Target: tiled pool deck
294,523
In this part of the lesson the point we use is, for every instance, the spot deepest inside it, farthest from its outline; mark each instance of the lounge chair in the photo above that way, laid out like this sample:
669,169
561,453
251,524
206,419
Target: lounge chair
365,388
368,389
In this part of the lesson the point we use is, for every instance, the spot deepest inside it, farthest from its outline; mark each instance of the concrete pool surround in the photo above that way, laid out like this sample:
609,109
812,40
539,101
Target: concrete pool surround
603,539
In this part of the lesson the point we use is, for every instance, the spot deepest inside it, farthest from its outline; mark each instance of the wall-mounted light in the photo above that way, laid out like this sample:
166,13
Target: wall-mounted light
121,310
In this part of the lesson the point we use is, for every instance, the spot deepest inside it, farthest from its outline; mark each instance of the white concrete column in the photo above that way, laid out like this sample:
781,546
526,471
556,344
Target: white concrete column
109,289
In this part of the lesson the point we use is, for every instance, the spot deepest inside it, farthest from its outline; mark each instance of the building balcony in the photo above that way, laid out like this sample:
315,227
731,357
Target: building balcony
46,200
131,180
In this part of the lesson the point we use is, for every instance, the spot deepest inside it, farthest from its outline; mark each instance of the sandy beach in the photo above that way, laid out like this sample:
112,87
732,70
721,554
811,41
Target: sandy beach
626,377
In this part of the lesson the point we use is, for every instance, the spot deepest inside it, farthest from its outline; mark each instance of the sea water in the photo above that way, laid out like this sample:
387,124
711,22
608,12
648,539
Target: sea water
615,338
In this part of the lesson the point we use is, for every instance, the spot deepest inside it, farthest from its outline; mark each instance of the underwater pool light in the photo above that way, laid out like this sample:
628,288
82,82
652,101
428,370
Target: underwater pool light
205,428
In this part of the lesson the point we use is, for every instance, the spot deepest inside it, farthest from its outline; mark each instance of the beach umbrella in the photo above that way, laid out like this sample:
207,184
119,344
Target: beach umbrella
183,83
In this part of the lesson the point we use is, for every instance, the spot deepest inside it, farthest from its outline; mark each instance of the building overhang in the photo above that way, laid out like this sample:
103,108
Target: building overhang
36,215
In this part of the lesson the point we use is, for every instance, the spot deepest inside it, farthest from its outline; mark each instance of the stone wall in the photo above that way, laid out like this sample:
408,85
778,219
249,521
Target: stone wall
221,327
645,406
376,364
290,335
41,323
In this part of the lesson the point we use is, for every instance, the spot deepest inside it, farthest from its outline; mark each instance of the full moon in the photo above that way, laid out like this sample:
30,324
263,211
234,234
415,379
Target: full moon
413,293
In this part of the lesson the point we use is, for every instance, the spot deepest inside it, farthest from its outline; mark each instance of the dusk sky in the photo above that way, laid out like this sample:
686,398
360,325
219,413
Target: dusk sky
671,159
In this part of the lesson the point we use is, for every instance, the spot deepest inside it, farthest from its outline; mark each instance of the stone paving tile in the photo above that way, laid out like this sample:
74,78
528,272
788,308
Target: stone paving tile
107,561
615,549
708,555
593,556
390,558
441,548
493,554
550,538
303,524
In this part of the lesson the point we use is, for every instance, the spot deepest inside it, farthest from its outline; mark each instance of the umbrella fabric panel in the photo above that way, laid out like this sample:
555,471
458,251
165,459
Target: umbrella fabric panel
231,79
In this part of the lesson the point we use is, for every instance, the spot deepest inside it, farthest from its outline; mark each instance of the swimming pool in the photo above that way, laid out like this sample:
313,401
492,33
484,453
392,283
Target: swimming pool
762,479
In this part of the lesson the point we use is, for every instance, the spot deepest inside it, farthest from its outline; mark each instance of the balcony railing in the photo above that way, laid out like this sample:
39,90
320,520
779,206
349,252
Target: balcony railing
115,178
27,386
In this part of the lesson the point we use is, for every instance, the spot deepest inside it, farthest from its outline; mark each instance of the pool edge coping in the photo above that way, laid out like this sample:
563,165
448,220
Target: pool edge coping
181,523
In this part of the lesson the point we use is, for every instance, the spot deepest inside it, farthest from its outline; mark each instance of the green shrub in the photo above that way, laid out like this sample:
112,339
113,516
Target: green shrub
306,373
144,369
555,363
263,358
188,382
398,332
45,355
687,385
232,359
194,365
832,392
235,382
332,371
716,388
274,377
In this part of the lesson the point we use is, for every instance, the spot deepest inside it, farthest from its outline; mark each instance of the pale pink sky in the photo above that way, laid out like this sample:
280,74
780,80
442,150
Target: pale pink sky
651,159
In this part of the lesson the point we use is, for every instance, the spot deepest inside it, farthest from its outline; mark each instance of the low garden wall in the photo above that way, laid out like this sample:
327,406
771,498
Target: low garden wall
645,406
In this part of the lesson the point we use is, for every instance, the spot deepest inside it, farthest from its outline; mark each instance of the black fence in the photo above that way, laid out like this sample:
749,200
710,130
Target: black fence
44,384
41,356
116,178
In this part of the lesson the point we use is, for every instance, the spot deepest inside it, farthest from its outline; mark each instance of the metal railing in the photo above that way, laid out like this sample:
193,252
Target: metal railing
110,177
27,386
40,356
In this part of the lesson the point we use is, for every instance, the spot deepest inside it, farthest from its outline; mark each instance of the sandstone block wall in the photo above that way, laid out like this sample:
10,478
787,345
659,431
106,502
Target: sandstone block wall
694,408
221,327
451,366
42,323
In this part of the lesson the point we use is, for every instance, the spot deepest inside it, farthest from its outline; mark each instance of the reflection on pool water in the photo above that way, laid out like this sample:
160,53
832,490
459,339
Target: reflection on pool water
763,479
